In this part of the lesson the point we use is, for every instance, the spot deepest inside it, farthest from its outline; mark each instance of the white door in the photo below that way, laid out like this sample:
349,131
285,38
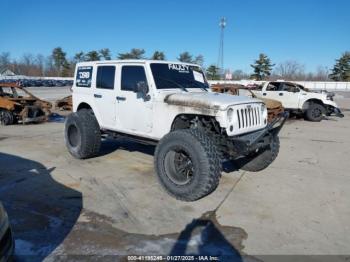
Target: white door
133,110
286,93
290,94
104,94
271,91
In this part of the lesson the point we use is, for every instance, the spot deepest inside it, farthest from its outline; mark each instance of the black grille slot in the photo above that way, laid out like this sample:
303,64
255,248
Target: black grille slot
242,114
239,119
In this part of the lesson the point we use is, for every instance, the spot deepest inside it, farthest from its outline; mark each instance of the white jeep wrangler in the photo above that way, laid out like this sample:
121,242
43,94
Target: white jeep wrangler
299,100
168,104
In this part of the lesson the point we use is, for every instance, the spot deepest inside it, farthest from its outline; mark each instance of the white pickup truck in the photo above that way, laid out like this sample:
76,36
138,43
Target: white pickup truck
168,104
297,99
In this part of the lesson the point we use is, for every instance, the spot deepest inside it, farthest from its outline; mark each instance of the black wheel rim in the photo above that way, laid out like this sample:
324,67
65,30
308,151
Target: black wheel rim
73,136
179,167
316,113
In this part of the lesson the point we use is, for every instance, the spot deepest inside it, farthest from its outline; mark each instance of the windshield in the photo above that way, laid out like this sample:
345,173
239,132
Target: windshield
168,76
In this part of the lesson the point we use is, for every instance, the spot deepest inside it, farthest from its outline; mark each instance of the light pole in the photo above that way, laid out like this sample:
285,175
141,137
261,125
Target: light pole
220,64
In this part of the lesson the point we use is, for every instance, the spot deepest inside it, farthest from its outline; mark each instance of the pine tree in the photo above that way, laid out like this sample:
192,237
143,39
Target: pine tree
341,69
185,57
105,53
135,53
199,60
262,67
93,56
79,57
213,72
158,55
59,60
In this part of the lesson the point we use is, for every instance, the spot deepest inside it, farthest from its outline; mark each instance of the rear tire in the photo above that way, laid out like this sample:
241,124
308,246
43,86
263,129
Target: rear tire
82,134
315,112
261,160
6,117
187,164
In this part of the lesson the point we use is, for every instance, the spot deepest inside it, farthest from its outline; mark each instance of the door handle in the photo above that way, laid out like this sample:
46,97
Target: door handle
97,96
280,94
264,94
121,98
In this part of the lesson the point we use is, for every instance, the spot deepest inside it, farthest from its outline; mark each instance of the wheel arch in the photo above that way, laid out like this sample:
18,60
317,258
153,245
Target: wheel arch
83,105
308,102
185,120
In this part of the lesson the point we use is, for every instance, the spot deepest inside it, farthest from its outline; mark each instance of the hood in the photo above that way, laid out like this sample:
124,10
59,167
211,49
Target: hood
209,100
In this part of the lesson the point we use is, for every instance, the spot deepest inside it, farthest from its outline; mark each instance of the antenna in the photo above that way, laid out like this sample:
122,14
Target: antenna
220,64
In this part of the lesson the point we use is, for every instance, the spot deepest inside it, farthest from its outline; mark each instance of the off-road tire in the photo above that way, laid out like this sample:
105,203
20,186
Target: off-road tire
262,159
205,160
82,134
6,117
315,112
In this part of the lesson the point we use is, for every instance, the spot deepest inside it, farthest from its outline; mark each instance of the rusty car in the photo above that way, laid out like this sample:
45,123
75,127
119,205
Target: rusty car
18,105
64,104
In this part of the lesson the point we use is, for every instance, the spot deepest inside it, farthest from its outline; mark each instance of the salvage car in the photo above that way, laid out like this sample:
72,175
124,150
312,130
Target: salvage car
64,104
299,100
18,105
169,105
7,243
274,107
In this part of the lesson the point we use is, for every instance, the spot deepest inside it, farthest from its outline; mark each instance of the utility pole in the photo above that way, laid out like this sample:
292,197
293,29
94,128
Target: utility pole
220,64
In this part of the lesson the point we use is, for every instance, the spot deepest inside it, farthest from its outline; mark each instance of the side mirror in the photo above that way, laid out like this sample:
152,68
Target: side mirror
142,89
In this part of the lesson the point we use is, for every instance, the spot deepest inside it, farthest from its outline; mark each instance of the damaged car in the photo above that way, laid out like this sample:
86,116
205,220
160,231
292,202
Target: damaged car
64,104
18,105
298,100
169,105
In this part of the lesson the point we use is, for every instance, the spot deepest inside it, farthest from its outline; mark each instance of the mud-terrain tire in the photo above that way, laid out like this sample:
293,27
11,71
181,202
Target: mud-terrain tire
6,117
315,112
262,159
82,134
201,165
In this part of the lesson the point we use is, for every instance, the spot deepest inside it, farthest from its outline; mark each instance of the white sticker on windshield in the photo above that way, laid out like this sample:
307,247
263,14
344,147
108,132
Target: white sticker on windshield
198,77
179,67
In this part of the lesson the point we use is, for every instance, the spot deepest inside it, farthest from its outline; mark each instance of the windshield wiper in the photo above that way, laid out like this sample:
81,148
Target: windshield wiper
198,85
173,82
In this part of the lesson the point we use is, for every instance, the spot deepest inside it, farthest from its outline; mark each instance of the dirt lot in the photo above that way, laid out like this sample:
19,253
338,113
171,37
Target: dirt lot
113,205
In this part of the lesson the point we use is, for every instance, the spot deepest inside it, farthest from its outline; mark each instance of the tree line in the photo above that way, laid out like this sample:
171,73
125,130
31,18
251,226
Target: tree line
58,64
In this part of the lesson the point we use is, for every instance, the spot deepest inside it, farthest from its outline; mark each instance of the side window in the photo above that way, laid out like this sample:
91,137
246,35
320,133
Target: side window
132,76
272,87
105,77
289,88
83,77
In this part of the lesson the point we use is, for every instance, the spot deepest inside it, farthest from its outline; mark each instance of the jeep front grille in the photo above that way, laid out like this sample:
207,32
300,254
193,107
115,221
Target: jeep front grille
249,116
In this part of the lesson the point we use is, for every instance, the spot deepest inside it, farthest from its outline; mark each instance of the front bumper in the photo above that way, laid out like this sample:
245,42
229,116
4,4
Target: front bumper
7,244
337,112
252,142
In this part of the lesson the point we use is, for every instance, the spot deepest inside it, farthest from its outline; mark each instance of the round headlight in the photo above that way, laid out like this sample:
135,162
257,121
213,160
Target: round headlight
230,115
264,111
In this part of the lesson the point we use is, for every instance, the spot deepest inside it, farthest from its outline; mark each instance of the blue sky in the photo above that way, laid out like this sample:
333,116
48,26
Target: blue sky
312,32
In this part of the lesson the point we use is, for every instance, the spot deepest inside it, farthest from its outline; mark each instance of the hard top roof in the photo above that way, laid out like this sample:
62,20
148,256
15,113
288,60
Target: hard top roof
138,61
